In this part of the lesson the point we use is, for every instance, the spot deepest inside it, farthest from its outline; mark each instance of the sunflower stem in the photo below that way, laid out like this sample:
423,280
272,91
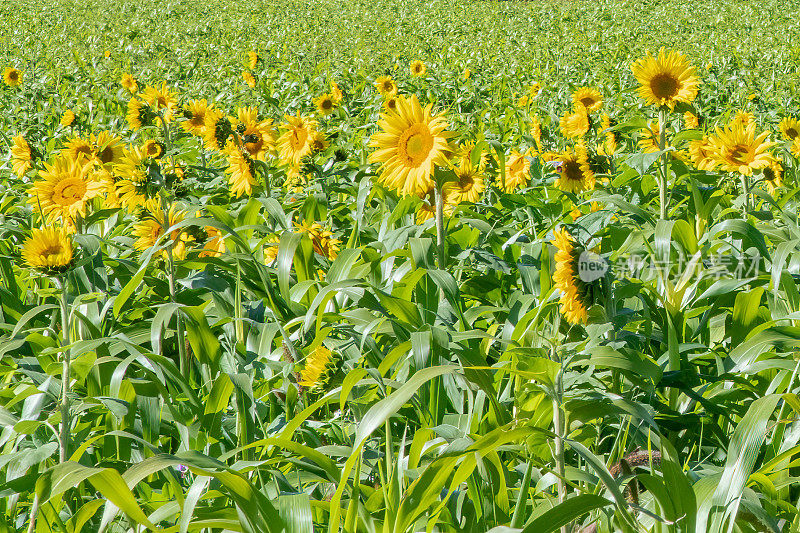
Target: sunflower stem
746,189
439,226
662,145
183,363
558,423
65,375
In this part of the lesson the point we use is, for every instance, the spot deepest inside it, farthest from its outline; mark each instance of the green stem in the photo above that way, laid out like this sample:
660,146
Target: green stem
439,226
746,188
183,361
65,376
558,423
662,144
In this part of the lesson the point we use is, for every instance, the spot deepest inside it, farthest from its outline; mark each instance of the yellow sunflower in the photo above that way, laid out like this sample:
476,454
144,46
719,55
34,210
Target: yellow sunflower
426,211
151,227
109,195
67,118
773,176
129,83
795,149
48,249
139,114
588,97
575,124
241,171
738,149
214,245
574,299
465,76
161,98
390,104
386,86
132,185
471,182
319,369
531,93
271,249
252,60
790,127
325,244
517,171
536,131
153,149
701,154
650,137
609,144
108,149
666,79
325,104
195,113
249,79
410,143
417,68
574,172
65,189
691,121
21,156
218,129
258,136
336,93
12,77
295,143
743,117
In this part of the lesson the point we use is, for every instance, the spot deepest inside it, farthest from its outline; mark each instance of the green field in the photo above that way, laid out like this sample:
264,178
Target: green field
399,266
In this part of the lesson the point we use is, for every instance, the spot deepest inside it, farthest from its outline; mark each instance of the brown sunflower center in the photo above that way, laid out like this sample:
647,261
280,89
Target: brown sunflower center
13,75
664,86
52,250
466,182
792,133
69,191
588,101
106,155
415,144
387,86
326,104
516,167
739,154
571,170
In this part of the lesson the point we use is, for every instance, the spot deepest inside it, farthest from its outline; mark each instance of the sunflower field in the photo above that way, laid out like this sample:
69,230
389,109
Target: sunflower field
399,266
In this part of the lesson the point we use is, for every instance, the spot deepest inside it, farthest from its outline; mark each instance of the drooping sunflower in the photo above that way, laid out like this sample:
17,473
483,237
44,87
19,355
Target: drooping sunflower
218,129
790,127
129,83
152,226
575,298
610,142
241,172
325,104
650,137
67,118
471,182
108,149
386,86
65,189
295,143
738,149
691,121
666,79
109,195
773,176
132,187
417,68
575,124
318,142
249,79
325,244
701,154
139,114
12,77
426,210
588,97
336,92
258,136
536,131
214,246
517,170
22,156
252,60
195,113
153,149
410,143
48,250
271,249
78,149
573,169
161,98
321,366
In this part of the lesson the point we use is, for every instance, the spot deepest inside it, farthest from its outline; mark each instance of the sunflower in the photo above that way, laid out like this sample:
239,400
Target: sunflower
336,93
588,97
129,83
107,54
667,79
12,77
574,173
271,249
323,241
139,114
78,149
701,154
471,182
386,86
575,124
610,142
249,79
743,117
320,367
22,156
465,76
109,195
426,211
691,121
151,227
107,148
536,131
650,140
417,68
258,136
574,295
795,149
738,149
390,104
67,118
295,143
48,249
134,172
325,104
531,92
214,245
153,149
517,169
195,113
218,129
242,172
252,60
773,176
65,189
410,143
790,127
161,98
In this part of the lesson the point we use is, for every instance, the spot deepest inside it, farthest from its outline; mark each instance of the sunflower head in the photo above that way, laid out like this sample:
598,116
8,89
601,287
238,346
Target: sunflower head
218,129
737,148
517,170
241,171
417,68
12,77
386,86
295,142
411,141
588,97
325,104
691,121
575,124
247,76
129,83
65,189
773,176
139,114
666,79
573,169
336,92
790,128
252,60
161,98
320,368
577,293
67,118
390,104
48,250
153,149
23,155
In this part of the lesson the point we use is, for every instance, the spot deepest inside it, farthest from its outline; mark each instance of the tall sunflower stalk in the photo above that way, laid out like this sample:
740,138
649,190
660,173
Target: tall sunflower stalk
663,170
64,428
